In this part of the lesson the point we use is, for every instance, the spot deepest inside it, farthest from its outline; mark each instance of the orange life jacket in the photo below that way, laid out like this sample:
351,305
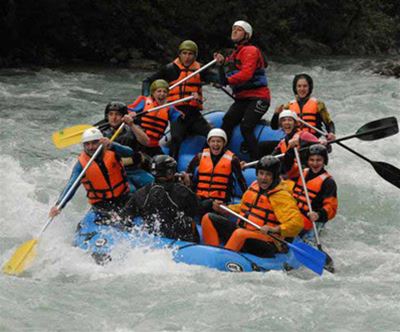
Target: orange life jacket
186,89
313,187
100,186
257,208
154,123
214,180
308,113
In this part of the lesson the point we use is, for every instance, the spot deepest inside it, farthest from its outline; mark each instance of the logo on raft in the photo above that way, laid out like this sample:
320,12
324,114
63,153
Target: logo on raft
233,267
100,242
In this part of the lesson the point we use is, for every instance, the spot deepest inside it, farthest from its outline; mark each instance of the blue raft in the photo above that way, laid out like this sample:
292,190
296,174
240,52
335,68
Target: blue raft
99,239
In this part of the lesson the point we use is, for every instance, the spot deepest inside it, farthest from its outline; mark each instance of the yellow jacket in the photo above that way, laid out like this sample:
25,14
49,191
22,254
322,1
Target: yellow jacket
285,209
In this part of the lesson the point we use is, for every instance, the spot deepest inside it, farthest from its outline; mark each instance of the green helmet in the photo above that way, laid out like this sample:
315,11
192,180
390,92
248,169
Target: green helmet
189,45
157,84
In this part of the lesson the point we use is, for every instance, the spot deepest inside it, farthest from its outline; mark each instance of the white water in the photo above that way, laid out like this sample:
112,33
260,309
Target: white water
65,291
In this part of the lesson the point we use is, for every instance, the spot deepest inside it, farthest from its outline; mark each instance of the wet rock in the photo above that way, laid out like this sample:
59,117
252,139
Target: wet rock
388,68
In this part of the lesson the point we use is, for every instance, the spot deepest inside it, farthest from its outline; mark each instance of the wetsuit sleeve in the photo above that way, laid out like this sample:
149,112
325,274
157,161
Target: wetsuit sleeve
210,76
121,150
76,171
288,214
237,171
191,169
174,114
329,201
275,121
136,201
326,118
191,202
249,57
170,73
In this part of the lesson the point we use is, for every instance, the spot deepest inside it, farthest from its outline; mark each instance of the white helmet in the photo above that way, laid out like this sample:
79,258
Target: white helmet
245,26
91,134
287,114
217,132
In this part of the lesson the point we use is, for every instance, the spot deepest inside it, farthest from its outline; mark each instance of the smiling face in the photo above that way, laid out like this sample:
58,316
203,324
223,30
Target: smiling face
160,95
216,145
187,57
316,163
264,178
114,119
302,88
287,124
91,147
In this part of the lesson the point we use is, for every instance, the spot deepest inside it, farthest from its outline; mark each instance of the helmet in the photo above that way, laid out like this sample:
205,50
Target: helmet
217,132
189,45
116,106
320,150
157,84
307,78
271,164
287,114
91,134
245,26
163,165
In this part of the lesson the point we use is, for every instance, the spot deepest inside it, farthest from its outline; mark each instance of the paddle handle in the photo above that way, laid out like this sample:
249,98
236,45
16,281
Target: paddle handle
225,208
192,74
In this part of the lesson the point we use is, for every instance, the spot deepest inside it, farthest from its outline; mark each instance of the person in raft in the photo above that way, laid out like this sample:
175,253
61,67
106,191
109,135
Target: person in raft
268,203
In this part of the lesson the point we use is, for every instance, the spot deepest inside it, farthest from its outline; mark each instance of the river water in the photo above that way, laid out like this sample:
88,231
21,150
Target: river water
66,291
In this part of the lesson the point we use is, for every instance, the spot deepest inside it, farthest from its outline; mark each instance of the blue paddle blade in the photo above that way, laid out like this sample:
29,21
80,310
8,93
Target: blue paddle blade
309,256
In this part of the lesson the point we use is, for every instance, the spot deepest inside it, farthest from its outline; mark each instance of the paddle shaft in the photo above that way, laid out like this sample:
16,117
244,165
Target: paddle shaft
225,208
303,181
165,105
192,74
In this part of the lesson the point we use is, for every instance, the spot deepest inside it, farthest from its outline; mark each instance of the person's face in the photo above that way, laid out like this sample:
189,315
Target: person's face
114,119
160,95
287,124
316,163
302,88
264,179
187,57
238,34
216,145
91,147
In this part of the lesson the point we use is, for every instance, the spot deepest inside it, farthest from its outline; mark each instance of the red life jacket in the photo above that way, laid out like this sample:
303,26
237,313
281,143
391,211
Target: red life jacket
314,187
214,180
188,87
155,123
257,208
100,186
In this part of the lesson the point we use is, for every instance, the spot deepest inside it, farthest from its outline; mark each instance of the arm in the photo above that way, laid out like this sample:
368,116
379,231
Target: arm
194,163
121,150
329,201
174,114
237,171
139,133
326,118
170,73
287,213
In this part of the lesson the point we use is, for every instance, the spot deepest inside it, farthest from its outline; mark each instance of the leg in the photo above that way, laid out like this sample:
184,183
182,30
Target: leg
216,228
178,132
266,148
253,113
233,117
198,125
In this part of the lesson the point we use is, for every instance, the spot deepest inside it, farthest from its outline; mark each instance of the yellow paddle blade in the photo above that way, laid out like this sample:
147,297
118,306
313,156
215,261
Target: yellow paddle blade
69,136
22,257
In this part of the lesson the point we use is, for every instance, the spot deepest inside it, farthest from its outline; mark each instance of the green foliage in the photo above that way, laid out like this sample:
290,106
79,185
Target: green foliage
46,31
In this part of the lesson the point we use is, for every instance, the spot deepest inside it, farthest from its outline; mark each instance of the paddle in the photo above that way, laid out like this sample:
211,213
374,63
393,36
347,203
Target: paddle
388,172
304,253
329,261
25,253
193,74
72,135
370,131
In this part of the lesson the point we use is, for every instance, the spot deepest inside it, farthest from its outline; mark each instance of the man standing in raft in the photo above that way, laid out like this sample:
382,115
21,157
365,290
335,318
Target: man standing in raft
245,74
193,121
